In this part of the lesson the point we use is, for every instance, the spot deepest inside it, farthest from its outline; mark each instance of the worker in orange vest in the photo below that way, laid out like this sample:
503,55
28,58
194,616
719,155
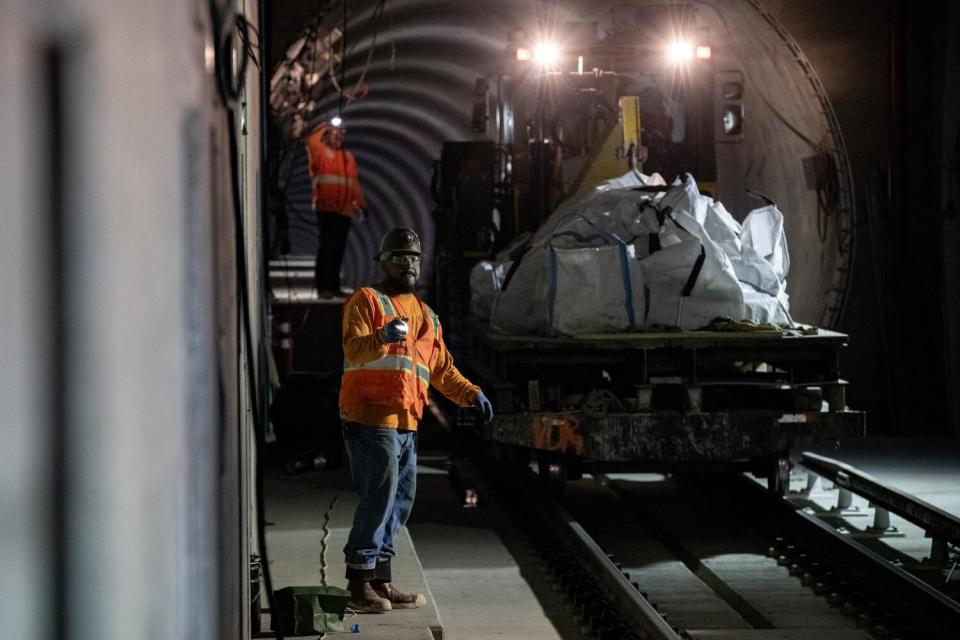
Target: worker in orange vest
336,197
393,353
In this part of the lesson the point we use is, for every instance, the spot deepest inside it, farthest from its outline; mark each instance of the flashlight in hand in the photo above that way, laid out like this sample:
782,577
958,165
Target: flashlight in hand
395,330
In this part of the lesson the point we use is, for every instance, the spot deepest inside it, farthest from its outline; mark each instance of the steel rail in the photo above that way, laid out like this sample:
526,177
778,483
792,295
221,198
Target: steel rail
922,597
936,522
629,602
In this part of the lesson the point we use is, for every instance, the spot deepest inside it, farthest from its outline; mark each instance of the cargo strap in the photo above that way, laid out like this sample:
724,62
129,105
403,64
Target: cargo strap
694,273
697,265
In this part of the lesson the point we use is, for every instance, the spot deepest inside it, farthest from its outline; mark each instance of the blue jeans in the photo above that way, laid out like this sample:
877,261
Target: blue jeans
383,466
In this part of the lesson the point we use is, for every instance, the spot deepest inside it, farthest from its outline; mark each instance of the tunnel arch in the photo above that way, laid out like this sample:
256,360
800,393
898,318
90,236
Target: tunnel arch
421,97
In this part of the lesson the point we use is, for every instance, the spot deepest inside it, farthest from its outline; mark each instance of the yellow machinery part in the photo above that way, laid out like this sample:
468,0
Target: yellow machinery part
708,189
609,159
630,116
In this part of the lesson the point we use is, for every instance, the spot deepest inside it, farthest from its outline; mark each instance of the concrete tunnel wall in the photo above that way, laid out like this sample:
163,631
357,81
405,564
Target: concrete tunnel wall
125,504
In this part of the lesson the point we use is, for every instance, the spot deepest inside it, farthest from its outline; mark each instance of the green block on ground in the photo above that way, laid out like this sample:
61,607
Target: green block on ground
307,610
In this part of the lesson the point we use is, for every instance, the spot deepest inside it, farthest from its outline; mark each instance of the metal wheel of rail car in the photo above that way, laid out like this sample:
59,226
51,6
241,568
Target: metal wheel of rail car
553,473
555,470
776,469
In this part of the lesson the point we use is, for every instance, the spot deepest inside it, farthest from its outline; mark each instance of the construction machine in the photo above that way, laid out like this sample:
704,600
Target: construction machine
671,90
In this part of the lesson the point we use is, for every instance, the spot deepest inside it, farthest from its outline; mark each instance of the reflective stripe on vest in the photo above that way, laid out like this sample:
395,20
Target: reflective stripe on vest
423,374
333,179
386,363
435,321
386,306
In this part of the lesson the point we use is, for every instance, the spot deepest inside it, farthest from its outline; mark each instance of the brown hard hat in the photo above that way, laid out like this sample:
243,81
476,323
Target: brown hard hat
399,240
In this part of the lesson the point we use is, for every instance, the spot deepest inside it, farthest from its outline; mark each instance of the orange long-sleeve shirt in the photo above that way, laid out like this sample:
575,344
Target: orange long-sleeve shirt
362,343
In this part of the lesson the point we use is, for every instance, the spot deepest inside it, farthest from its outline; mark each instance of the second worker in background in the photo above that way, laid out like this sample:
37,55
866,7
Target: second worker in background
393,353
336,197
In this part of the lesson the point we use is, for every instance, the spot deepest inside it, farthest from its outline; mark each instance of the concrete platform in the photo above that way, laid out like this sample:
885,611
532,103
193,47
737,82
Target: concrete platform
484,576
296,507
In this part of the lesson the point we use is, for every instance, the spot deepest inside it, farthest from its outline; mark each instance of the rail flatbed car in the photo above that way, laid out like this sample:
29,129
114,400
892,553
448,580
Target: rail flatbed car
693,400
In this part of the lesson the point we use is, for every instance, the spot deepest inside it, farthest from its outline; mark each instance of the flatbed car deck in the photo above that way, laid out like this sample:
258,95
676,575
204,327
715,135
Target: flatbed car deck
664,399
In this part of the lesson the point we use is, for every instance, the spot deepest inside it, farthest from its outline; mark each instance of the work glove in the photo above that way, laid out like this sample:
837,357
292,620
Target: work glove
394,331
485,406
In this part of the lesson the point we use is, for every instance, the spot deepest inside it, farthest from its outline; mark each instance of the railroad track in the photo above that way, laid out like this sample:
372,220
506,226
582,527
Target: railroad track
644,556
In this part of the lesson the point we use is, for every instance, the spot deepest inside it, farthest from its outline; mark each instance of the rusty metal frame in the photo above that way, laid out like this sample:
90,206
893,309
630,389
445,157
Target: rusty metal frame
507,365
675,437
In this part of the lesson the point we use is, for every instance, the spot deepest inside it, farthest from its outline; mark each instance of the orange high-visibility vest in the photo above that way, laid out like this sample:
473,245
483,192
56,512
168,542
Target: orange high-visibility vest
333,173
400,379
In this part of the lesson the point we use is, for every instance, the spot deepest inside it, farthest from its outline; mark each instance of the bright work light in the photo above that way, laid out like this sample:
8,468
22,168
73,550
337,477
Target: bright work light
336,121
679,51
546,54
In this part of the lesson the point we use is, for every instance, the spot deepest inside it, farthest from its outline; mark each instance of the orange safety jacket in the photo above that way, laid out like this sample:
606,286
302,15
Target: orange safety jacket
333,173
399,379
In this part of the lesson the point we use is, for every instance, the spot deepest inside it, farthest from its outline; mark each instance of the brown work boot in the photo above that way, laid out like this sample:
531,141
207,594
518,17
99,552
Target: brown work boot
397,599
363,599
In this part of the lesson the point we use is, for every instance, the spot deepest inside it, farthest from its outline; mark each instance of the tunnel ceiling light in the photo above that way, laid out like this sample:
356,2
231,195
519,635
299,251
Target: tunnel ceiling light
523,54
679,51
704,52
546,54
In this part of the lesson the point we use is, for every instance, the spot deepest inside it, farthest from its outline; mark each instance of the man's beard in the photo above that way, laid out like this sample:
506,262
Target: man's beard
406,287
404,284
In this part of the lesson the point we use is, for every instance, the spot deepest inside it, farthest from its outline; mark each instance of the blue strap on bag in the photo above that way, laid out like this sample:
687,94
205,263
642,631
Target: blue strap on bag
609,239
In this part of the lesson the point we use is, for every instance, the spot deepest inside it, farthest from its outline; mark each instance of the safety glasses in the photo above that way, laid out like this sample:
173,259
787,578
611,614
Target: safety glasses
403,258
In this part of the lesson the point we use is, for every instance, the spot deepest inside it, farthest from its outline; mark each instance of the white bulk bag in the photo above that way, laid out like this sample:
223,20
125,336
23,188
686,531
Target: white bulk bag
572,278
764,264
486,279
689,259
595,289
763,232
521,305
